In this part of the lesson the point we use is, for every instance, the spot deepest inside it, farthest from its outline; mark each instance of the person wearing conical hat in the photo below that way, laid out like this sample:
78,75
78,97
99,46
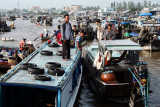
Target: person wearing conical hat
31,48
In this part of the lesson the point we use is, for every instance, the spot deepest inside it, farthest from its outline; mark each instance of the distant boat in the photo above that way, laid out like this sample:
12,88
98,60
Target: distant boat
7,39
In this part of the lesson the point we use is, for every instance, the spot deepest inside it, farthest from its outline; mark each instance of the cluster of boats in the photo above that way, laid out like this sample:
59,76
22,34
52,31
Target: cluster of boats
44,79
113,67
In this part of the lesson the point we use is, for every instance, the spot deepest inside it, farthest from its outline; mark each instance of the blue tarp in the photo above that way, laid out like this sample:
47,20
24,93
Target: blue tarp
145,14
133,34
126,22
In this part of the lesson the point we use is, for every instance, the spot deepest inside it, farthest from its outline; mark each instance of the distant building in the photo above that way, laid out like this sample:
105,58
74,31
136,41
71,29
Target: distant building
73,8
104,12
145,10
35,9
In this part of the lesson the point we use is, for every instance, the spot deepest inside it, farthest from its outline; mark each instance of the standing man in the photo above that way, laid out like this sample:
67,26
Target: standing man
67,35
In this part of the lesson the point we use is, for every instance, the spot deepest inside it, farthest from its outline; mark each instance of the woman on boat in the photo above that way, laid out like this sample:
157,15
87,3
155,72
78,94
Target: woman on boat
58,39
99,29
22,44
12,26
31,48
109,34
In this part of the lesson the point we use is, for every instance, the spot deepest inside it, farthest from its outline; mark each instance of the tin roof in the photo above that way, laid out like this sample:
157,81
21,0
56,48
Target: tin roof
120,45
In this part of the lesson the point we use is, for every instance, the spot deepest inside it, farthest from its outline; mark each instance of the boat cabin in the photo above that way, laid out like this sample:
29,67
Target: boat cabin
121,51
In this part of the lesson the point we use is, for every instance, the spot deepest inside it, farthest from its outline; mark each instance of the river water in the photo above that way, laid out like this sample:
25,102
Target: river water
86,96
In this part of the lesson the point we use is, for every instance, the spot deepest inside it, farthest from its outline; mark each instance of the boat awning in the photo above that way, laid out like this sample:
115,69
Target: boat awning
126,22
109,20
145,14
149,25
120,45
133,34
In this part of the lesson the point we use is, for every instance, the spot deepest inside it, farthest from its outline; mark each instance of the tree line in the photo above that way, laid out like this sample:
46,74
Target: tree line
131,5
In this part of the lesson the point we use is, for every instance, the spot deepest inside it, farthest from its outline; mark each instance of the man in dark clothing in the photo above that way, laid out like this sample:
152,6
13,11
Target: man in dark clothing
58,31
109,34
75,31
67,35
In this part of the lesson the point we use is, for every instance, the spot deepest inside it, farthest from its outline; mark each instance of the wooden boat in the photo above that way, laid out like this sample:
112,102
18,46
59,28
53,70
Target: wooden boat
45,39
147,41
58,91
125,85
7,39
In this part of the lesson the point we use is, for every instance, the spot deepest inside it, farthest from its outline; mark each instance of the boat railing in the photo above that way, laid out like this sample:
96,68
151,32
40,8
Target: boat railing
71,65
142,88
14,70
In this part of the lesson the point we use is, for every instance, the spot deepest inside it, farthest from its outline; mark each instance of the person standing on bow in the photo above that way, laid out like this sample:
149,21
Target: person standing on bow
109,34
67,36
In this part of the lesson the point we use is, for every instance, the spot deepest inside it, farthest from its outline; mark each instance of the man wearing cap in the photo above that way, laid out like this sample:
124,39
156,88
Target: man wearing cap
67,36
99,29
22,43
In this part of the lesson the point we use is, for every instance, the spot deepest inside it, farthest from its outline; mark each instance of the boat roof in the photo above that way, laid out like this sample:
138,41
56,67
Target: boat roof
109,20
120,45
126,22
24,79
145,14
151,24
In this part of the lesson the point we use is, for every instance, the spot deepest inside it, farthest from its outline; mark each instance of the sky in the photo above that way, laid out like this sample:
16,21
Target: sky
10,4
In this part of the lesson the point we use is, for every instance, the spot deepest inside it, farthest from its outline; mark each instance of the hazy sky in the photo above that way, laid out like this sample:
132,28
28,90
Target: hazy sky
10,4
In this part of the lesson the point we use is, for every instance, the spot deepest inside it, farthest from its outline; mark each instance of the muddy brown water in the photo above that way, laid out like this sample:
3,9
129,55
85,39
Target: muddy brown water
86,96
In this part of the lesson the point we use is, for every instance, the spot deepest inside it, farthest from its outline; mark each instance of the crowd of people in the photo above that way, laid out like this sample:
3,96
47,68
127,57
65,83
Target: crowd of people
68,36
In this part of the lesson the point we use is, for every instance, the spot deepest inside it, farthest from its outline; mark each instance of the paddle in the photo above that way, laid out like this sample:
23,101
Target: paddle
36,38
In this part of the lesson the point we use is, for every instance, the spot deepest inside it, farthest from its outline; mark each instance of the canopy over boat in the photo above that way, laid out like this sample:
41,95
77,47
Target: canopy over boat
133,34
145,14
127,22
120,45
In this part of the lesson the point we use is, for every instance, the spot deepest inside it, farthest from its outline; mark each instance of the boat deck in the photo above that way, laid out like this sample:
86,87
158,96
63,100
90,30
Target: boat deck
22,77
